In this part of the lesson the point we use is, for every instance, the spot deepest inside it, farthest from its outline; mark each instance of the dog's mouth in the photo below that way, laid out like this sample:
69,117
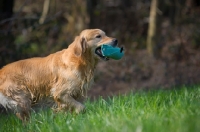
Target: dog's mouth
98,52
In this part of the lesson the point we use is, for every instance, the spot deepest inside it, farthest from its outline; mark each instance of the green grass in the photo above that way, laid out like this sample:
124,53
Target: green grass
153,111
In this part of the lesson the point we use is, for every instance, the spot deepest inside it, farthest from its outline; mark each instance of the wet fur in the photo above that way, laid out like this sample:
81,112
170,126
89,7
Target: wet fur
65,75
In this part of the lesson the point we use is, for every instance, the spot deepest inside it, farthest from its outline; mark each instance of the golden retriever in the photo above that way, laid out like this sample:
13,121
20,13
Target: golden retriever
64,75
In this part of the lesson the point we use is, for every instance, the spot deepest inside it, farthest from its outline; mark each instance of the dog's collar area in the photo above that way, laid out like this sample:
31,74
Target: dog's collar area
99,53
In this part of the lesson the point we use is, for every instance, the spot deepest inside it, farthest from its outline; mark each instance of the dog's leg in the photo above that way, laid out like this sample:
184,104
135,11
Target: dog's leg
23,111
24,107
23,115
68,102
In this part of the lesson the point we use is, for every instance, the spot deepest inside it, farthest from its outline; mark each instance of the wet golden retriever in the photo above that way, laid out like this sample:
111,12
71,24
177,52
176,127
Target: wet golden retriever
64,75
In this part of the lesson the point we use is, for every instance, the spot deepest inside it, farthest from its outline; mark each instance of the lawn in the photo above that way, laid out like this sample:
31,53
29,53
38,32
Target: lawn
176,110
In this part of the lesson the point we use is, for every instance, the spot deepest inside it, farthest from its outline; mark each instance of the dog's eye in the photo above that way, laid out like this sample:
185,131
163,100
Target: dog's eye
98,36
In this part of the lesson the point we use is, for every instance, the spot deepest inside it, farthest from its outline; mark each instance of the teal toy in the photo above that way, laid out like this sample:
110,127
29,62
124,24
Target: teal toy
112,52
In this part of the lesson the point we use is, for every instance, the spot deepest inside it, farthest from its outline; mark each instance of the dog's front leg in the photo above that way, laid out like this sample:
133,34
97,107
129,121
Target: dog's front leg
68,102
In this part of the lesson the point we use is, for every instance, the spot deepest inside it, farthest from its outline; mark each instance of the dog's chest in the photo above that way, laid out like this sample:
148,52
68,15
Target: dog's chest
82,82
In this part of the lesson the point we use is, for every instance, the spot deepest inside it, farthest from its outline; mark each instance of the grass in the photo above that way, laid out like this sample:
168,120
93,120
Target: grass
153,111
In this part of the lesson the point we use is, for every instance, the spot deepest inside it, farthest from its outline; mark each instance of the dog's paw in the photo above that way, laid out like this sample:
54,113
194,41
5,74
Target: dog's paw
80,109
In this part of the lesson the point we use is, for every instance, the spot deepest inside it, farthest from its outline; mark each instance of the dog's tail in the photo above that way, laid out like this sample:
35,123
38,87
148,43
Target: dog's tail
6,103
2,107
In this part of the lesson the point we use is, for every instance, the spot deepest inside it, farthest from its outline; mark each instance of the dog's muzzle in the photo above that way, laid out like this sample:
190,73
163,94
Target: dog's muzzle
98,51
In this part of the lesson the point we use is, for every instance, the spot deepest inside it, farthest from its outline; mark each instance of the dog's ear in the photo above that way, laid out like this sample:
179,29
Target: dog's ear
80,46
83,45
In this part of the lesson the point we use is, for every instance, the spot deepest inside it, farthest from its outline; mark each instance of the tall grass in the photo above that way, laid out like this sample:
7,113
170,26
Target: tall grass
153,111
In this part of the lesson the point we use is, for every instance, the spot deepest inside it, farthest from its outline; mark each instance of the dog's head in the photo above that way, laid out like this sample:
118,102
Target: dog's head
92,40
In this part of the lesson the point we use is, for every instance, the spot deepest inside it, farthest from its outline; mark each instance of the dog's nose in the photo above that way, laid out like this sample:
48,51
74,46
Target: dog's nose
115,42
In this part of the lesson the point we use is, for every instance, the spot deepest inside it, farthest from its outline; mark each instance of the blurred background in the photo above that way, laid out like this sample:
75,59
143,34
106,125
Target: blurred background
161,38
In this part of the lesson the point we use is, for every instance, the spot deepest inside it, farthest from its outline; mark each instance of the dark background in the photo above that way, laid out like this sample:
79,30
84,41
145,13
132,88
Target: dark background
39,27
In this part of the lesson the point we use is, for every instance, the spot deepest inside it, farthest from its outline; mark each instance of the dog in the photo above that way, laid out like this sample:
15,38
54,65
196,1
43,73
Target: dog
65,75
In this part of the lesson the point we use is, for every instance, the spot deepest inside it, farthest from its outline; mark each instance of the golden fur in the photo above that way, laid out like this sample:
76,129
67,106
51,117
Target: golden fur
64,75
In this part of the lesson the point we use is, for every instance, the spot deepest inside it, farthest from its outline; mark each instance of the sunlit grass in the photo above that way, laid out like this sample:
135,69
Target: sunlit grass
153,111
